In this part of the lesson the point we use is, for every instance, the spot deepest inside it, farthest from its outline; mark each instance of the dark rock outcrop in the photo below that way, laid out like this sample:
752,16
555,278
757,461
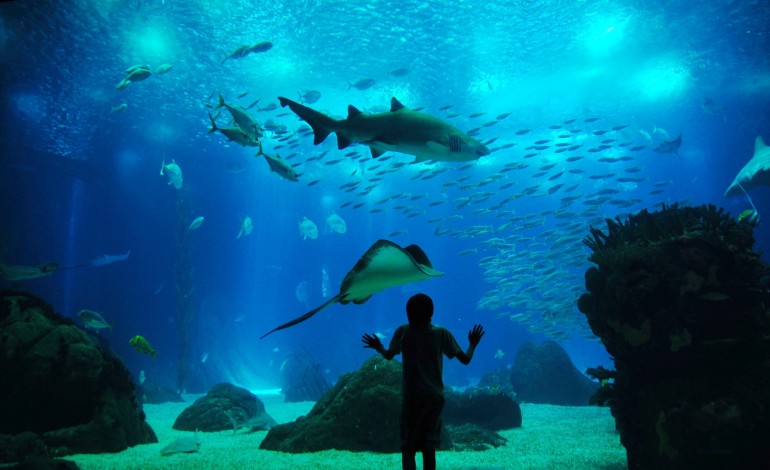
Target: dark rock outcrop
60,393
682,302
301,378
360,413
480,406
224,407
545,374
498,380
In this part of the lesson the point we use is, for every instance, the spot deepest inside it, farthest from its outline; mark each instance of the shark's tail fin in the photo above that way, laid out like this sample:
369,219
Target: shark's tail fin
221,102
213,124
321,124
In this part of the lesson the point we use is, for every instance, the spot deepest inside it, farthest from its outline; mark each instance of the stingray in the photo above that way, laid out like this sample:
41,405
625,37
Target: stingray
670,146
384,265
755,173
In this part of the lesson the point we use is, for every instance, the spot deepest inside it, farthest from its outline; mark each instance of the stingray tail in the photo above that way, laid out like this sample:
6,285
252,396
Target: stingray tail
322,124
304,317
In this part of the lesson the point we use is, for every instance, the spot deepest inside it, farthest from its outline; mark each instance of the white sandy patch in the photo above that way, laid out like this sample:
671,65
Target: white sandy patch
550,437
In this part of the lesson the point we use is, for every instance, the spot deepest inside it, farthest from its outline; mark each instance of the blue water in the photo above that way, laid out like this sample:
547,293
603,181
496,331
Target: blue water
79,181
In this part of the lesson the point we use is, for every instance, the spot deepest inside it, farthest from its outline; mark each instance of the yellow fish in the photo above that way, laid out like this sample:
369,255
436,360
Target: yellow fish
142,345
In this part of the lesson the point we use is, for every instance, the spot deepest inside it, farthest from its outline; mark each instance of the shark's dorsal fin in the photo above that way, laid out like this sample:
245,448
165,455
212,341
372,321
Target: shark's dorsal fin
396,105
353,112
759,145
376,153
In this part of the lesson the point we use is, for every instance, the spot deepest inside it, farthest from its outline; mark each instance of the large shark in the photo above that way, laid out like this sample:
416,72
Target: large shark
384,265
755,173
399,130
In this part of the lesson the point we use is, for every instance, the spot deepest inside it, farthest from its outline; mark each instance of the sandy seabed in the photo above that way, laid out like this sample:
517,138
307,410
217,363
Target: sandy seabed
551,437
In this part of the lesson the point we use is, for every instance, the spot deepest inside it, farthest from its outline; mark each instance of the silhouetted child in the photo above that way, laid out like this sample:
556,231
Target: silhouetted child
422,345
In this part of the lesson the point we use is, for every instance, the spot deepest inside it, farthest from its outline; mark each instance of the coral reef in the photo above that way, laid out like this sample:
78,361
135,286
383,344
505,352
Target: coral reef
60,393
680,300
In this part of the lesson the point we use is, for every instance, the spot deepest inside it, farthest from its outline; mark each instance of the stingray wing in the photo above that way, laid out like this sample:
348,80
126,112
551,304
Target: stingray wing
385,265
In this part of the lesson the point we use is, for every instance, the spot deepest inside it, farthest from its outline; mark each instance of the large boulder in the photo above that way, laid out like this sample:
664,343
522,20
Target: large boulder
224,407
545,374
361,413
60,393
488,409
301,378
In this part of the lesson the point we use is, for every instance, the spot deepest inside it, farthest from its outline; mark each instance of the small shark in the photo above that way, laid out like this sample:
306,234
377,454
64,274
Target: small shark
109,259
399,130
384,265
670,146
755,173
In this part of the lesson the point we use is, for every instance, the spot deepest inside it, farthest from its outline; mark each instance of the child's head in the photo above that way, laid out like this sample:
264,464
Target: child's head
419,310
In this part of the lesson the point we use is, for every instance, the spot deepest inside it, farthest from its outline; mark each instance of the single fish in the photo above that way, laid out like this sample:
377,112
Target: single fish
246,227
362,84
309,96
173,170
93,320
183,445
109,259
308,229
278,165
142,345
336,223
196,223
243,119
163,69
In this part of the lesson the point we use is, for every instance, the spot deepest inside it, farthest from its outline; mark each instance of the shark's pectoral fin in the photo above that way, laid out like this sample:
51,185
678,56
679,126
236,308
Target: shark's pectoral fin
304,317
342,141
